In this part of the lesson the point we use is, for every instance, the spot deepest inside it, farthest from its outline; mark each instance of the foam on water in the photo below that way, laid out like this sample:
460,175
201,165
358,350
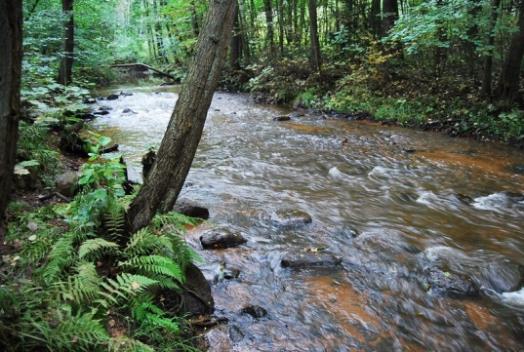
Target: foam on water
514,298
493,202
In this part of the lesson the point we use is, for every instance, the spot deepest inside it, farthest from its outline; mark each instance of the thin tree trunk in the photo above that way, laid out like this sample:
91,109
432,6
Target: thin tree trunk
10,73
236,41
66,64
508,88
316,59
390,13
488,62
184,131
280,13
268,9
374,18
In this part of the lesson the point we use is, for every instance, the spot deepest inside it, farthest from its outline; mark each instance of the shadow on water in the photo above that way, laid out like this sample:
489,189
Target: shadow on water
429,229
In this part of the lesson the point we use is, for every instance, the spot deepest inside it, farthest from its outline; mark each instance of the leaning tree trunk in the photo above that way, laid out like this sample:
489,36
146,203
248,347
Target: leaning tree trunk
184,131
10,72
316,59
508,88
66,64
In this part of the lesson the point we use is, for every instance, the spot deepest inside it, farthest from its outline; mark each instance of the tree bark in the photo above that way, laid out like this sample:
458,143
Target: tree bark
488,62
236,41
66,64
390,15
184,131
316,58
508,88
374,18
268,9
10,73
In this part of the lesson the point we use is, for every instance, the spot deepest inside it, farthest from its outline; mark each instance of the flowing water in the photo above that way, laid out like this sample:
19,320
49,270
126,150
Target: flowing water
393,203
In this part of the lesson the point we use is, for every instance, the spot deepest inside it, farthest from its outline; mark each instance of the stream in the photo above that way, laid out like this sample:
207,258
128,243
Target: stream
429,229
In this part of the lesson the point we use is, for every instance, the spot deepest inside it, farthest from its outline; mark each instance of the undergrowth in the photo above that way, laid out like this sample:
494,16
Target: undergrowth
75,282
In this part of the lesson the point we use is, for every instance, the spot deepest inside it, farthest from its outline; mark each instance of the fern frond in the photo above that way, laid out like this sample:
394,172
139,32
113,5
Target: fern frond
126,286
155,264
126,344
82,287
64,331
145,242
61,256
177,220
115,221
97,247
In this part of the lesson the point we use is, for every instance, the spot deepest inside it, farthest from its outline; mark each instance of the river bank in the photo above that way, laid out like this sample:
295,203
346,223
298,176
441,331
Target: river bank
407,232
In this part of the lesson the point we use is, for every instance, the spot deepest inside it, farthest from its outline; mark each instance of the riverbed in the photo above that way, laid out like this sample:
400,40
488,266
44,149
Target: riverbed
409,213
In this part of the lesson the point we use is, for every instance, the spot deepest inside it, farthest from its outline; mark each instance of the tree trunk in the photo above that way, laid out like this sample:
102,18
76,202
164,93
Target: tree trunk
488,62
236,41
66,64
268,9
184,131
316,59
390,13
374,18
10,72
280,13
508,88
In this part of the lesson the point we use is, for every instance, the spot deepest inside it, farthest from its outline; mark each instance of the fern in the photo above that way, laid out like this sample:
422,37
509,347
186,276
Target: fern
61,256
145,242
156,265
126,344
126,286
61,330
96,248
82,287
115,222
177,220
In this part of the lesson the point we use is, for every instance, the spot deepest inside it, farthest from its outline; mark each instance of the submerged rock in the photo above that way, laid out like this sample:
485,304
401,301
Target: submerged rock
235,334
221,238
305,260
282,118
503,276
189,208
290,218
255,311
128,111
444,283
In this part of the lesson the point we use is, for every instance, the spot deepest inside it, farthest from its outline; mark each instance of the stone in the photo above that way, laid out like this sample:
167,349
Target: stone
306,260
191,209
235,334
195,297
282,118
291,218
66,183
443,283
112,97
221,238
89,101
101,112
503,276
255,311
518,169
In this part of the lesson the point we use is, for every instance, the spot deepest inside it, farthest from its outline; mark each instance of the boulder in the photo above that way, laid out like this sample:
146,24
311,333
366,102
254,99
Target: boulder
282,118
221,238
193,299
148,160
255,311
189,208
66,183
306,260
112,97
502,276
443,283
290,218
101,112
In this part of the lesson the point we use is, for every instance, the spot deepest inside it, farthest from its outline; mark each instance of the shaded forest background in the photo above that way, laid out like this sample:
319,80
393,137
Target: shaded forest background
441,64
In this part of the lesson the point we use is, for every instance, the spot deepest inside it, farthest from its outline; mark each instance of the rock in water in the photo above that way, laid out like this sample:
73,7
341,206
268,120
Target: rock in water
290,218
306,260
255,311
281,118
189,208
221,238
112,97
443,283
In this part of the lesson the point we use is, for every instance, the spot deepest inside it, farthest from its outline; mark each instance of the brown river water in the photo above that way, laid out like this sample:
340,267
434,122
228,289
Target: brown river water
393,203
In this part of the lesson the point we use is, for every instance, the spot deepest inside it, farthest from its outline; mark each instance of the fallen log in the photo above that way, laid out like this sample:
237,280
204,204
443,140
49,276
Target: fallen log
144,67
